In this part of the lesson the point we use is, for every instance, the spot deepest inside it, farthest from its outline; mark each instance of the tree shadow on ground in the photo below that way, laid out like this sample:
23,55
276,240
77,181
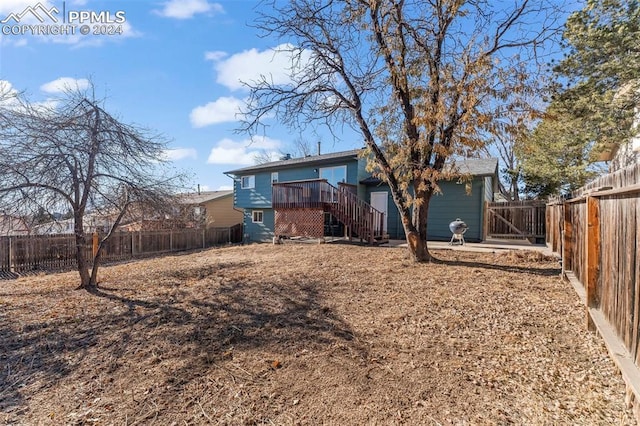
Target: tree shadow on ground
189,327
544,270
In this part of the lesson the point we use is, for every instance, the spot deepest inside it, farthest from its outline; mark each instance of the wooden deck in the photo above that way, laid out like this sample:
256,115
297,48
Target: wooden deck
361,220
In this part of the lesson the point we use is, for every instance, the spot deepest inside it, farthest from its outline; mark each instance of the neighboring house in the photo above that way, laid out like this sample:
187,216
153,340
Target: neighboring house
91,223
212,208
333,194
11,225
626,153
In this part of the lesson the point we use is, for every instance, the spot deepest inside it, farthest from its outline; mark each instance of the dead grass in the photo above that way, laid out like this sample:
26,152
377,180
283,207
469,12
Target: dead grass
306,334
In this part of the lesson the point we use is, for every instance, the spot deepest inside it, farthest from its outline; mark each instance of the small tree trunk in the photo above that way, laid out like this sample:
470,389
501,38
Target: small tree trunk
86,282
81,260
93,279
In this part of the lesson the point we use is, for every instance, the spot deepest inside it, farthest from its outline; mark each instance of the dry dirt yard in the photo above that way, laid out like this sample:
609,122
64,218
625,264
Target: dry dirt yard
306,334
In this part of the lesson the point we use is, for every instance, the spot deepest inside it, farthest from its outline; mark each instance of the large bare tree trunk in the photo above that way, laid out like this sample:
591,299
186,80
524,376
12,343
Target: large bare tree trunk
417,235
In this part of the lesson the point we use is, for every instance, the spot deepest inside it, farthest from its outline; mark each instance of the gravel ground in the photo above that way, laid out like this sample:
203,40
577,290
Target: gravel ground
306,334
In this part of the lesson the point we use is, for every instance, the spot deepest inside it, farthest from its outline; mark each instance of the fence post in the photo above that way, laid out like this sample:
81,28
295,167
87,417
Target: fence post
95,244
203,238
11,263
593,258
567,247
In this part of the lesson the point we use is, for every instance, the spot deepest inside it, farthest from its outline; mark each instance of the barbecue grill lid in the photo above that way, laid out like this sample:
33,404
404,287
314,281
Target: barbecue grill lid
458,226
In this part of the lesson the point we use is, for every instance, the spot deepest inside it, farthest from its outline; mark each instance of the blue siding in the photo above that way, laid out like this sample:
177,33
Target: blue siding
455,203
258,231
443,209
260,195
257,197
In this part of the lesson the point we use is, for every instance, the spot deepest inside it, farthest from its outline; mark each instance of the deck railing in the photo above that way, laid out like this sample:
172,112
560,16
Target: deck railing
359,216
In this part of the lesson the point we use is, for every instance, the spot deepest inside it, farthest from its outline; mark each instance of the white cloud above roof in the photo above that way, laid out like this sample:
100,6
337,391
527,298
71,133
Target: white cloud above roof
177,154
276,65
187,9
222,110
64,84
243,152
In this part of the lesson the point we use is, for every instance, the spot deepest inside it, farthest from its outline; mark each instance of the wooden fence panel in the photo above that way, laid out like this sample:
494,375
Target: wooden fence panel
554,217
5,263
609,272
22,254
516,220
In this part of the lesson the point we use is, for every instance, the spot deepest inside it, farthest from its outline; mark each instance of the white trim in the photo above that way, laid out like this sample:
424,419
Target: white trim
384,196
253,216
250,184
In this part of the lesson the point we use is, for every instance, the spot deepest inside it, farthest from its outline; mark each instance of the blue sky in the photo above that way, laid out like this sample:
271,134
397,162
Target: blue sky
174,69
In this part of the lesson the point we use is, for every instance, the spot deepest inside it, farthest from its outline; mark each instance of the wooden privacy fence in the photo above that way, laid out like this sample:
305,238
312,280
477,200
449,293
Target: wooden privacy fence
597,234
19,254
516,220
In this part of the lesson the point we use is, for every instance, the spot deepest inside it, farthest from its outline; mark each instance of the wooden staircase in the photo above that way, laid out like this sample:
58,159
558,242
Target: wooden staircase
359,217
361,220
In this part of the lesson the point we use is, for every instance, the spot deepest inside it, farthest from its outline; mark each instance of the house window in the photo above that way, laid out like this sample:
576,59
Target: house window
257,216
274,177
247,182
334,175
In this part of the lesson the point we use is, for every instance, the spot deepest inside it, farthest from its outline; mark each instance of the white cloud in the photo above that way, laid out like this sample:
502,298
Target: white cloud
180,154
263,142
243,152
277,65
64,84
8,94
214,55
9,98
125,31
224,109
7,89
225,188
186,9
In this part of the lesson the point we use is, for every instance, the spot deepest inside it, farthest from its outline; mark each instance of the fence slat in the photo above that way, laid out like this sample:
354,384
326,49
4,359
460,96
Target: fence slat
599,239
28,253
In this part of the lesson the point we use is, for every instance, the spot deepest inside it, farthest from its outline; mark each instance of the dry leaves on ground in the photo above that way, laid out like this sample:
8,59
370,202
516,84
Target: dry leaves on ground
306,334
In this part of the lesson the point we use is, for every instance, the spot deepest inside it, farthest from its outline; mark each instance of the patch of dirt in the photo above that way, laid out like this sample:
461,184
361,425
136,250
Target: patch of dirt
306,334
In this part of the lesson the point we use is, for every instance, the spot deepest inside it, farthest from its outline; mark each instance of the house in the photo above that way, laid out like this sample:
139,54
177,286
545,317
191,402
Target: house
624,153
12,225
334,195
212,208
92,223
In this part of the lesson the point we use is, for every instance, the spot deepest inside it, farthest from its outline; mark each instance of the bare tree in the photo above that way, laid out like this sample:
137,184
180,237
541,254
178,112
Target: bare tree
422,81
300,147
72,154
